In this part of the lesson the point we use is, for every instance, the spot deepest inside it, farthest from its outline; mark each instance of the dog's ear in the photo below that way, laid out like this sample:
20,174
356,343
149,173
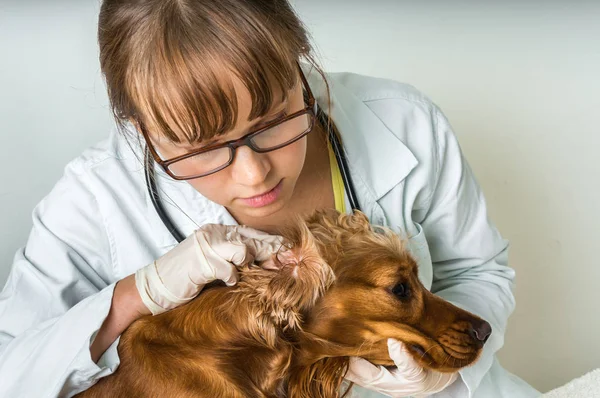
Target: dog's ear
319,368
321,379
302,276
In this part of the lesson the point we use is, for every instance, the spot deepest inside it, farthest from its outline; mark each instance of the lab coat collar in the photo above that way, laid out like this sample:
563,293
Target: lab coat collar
377,159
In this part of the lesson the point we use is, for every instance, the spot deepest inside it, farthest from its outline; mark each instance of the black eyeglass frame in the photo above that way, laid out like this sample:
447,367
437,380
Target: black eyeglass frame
310,109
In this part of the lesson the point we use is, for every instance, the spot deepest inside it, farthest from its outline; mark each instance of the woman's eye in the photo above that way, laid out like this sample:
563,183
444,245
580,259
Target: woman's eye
400,290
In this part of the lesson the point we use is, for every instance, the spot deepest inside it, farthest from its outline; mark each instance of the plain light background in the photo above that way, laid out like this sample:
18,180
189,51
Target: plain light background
519,82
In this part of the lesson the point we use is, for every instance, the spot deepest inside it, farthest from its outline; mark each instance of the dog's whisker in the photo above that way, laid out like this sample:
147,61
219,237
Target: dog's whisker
446,360
430,348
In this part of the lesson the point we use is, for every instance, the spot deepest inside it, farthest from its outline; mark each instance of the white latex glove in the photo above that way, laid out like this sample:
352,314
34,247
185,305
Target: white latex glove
210,253
409,379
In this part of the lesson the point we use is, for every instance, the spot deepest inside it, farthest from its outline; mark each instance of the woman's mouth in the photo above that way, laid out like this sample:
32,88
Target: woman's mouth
264,199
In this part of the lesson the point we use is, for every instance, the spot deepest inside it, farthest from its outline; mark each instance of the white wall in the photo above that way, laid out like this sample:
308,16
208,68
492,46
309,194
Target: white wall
53,104
518,81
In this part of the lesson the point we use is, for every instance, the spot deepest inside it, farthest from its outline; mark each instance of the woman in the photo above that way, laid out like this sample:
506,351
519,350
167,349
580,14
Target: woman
212,92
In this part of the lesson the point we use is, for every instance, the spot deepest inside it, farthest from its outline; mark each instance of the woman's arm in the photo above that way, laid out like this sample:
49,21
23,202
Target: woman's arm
57,296
126,306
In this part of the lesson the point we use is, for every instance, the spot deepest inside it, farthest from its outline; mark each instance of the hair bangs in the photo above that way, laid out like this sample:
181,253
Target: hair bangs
183,85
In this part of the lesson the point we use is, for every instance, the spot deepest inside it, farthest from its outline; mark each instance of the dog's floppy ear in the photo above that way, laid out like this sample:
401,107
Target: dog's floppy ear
302,277
319,368
321,379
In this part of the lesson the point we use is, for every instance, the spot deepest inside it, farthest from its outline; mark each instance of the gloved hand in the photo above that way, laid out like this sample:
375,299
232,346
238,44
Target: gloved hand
210,253
409,379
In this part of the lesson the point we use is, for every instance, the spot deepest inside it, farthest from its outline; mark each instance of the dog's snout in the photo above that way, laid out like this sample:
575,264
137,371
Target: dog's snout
480,330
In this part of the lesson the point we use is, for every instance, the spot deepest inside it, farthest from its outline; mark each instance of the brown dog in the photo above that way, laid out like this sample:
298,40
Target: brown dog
288,328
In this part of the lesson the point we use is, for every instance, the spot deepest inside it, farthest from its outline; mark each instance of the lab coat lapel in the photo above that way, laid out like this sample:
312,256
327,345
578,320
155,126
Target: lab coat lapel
377,159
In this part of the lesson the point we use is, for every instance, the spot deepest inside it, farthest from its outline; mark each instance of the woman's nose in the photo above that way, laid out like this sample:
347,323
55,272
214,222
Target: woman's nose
249,167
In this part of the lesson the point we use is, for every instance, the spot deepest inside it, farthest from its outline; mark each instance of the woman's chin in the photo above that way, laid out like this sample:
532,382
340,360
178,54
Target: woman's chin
264,211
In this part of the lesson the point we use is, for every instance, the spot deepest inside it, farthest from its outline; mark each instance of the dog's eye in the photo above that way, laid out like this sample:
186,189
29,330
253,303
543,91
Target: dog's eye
400,290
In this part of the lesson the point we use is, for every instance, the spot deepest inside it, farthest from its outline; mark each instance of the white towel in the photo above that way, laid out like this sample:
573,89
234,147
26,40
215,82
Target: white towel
586,386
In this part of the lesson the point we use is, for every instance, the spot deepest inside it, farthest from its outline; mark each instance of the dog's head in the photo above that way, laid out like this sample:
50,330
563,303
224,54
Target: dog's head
377,295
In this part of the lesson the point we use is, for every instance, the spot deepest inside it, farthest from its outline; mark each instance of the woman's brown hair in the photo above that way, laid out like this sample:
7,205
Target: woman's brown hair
166,62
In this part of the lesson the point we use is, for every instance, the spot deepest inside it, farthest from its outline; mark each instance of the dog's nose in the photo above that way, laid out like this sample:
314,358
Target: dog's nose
480,330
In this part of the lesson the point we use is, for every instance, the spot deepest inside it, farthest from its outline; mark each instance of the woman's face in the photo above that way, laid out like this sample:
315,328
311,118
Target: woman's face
255,184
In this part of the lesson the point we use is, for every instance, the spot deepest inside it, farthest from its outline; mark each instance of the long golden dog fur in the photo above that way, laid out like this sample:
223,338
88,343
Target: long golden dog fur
340,288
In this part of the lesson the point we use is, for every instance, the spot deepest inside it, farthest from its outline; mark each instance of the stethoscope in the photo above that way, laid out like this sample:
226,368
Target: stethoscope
335,145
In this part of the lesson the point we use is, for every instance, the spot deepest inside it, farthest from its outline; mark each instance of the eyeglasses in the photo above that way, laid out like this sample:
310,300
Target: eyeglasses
275,135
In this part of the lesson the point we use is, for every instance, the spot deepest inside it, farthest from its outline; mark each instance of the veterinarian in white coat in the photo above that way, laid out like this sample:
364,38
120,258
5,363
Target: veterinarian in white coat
214,87
98,226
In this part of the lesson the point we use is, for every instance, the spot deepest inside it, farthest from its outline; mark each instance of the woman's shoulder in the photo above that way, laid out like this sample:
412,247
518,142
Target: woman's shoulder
101,197
108,173
120,147
371,88
400,108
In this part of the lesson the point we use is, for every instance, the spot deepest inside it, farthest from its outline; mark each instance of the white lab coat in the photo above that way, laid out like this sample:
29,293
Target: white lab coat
98,226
